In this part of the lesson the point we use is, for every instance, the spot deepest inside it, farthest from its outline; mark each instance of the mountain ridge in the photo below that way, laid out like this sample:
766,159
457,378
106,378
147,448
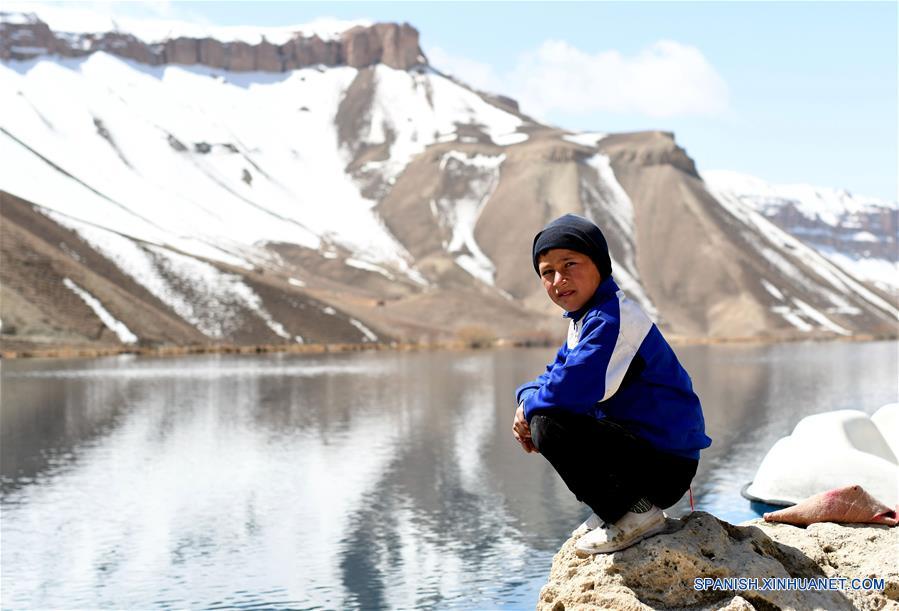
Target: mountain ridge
858,233
360,204
25,36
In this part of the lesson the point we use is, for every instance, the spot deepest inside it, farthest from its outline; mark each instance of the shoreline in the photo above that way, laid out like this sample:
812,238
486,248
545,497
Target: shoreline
73,351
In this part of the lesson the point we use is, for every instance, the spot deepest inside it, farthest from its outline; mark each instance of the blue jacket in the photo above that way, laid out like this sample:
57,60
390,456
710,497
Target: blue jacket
617,365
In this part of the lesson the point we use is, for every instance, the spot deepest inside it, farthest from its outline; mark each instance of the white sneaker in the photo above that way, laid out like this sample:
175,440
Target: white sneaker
591,523
630,529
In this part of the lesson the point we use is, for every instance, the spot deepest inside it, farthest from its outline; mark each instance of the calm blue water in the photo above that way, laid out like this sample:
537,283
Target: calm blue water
375,480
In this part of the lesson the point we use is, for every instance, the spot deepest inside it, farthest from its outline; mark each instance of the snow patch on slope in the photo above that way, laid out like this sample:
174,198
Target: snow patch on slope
510,139
608,198
481,175
883,273
792,316
772,290
419,108
586,138
212,301
185,140
783,242
819,318
827,204
832,221
367,333
369,267
116,326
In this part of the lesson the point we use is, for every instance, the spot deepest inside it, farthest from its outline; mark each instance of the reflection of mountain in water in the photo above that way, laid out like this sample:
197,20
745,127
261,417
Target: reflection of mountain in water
57,416
443,523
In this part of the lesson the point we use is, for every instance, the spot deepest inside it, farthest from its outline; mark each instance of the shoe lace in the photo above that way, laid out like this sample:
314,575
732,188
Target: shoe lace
594,521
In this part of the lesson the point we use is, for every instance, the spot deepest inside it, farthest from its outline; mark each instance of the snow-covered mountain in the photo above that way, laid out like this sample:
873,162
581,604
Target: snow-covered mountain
368,197
855,232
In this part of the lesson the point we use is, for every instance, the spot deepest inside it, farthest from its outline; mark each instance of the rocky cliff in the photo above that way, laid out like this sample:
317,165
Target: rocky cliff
394,45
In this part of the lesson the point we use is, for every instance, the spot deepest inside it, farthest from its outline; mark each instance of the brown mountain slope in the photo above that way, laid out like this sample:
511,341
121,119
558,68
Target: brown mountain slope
37,309
703,267
37,254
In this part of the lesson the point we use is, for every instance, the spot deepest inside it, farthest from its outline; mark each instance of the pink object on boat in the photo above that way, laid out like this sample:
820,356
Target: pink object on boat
847,505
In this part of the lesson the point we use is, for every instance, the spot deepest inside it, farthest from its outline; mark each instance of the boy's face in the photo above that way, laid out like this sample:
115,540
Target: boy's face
569,277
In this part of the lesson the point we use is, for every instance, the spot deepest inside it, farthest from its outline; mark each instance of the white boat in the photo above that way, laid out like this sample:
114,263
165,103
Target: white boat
832,450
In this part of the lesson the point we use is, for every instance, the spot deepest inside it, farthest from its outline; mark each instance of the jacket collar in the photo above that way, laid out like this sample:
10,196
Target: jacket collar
606,289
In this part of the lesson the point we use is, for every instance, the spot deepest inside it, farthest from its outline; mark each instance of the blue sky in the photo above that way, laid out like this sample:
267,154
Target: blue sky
786,91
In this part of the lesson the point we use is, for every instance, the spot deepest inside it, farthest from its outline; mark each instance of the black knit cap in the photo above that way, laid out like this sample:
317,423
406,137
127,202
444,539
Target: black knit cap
574,233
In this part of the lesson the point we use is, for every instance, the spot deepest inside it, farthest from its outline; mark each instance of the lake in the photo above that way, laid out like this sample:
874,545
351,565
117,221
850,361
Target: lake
356,480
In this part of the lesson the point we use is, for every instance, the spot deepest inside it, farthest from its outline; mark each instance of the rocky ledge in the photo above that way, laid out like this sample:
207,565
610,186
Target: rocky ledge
661,572
23,36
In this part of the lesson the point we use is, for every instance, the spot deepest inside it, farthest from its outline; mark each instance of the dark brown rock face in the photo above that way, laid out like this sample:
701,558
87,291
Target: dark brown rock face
240,57
653,149
126,45
182,51
387,43
299,52
394,45
24,40
268,57
211,52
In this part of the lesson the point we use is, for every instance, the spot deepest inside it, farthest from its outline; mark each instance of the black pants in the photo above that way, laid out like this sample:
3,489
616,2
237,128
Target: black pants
607,467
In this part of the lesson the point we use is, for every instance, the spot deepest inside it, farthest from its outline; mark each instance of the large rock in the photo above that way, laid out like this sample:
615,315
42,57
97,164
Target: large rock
660,572
392,44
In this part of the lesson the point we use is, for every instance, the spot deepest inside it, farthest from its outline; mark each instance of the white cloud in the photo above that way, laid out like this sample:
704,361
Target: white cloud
106,15
472,72
665,80
159,20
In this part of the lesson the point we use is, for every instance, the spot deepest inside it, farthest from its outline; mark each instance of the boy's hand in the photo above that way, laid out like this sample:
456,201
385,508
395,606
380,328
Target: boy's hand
522,432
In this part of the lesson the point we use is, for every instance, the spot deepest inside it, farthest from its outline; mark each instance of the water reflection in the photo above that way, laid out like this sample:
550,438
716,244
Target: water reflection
383,480
754,394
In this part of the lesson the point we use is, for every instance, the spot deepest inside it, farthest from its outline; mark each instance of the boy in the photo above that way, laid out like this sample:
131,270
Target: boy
615,413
